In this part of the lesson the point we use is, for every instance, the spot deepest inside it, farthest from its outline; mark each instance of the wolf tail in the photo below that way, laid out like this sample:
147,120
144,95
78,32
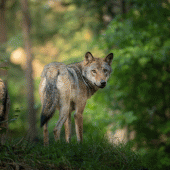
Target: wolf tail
49,97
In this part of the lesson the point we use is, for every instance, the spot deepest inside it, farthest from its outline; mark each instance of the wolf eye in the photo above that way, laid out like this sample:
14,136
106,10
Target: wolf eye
93,71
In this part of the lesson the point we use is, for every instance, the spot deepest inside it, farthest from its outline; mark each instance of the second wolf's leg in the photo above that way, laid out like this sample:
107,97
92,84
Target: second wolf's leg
67,125
46,134
5,124
4,110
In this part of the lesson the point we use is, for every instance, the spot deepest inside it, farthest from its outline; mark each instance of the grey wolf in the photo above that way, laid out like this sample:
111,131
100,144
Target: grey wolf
67,88
4,109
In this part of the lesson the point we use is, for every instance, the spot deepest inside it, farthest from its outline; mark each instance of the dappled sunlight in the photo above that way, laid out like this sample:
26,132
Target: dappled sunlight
48,50
56,6
18,57
37,68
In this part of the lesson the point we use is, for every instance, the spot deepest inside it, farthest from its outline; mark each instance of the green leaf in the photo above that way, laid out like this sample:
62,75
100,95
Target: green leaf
130,117
3,129
4,68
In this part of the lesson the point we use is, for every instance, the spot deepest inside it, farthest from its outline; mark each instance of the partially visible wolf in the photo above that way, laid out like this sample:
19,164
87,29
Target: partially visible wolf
4,109
67,88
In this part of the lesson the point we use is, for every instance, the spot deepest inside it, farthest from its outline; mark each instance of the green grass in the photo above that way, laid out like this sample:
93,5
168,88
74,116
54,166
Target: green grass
92,154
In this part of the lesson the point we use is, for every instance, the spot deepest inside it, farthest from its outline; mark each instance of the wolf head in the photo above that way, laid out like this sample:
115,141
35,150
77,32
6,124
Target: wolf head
97,70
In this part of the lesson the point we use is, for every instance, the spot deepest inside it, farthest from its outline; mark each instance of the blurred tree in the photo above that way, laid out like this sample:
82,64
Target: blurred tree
123,4
3,39
3,36
26,27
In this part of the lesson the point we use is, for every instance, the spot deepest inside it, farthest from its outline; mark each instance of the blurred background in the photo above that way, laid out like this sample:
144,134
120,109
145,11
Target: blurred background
134,108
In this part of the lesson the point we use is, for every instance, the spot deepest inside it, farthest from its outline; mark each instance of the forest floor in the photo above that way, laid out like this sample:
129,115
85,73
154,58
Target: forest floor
94,154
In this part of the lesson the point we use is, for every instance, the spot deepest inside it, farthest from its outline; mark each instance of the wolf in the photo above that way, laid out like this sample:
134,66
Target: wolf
4,109
67,88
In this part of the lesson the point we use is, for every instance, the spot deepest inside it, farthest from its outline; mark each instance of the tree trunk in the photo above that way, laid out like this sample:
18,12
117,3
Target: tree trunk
3,39
32,133
123,4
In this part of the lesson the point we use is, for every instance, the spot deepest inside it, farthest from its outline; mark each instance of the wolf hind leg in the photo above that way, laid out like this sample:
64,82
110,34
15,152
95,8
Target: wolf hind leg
67,125
64,113
64,87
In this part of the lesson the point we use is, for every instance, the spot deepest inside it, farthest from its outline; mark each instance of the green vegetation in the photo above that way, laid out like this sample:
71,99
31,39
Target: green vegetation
137,95
92,154
139,87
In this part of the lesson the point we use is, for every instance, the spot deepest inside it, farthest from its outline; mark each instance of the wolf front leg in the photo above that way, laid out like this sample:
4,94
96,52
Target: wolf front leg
67,125
78,116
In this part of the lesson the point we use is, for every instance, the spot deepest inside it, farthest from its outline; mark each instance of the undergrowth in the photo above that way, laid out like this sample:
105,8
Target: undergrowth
91,154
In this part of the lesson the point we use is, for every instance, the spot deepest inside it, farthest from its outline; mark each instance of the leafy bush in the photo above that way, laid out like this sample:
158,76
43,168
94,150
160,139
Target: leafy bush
140,84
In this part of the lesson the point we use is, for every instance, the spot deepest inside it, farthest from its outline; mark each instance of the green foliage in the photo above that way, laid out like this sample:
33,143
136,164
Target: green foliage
17,94
5,129
139,87
95,11
3,68
137,94
15,41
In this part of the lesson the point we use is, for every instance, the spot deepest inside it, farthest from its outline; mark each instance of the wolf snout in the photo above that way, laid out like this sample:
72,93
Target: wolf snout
103,83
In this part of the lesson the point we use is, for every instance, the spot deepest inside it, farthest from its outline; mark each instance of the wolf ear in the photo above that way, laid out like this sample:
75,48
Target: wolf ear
88,58
108,59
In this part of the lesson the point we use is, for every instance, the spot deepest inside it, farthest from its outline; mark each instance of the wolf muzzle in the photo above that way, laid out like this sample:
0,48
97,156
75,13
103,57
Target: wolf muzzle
103,84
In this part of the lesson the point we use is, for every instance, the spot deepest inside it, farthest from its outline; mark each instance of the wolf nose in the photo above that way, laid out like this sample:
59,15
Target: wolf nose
103,83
